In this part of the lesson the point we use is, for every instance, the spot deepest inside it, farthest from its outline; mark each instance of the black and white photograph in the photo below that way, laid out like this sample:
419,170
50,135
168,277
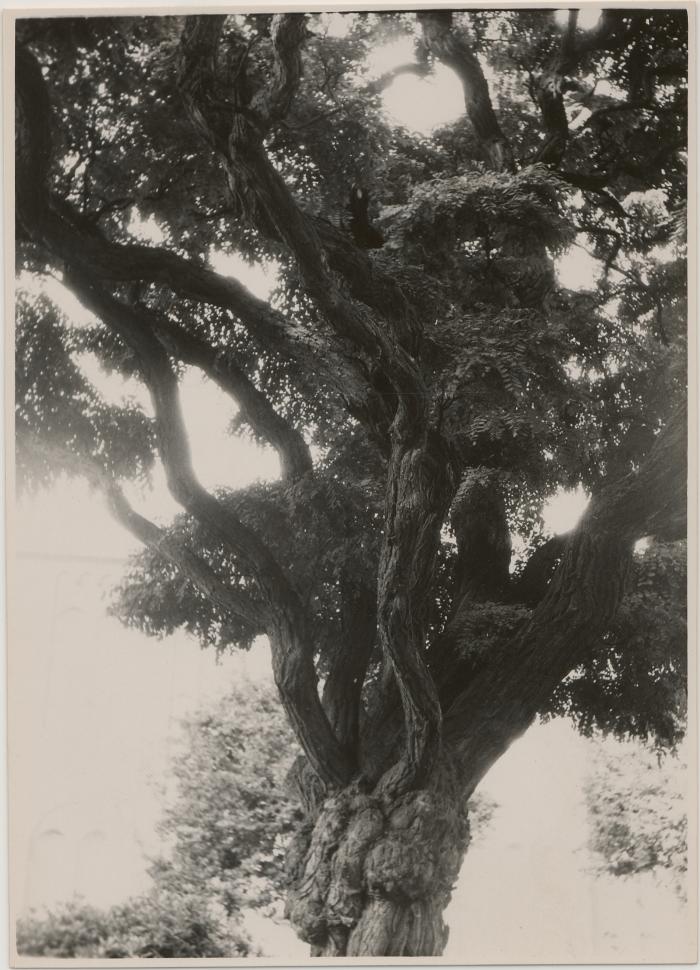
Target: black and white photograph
351,484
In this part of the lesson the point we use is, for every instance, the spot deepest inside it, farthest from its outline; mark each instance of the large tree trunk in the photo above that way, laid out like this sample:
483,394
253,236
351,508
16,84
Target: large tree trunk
372,877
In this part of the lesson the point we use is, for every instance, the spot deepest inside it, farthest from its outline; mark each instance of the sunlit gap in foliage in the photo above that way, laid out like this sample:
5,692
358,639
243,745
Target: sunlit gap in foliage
336,25
560,514
578,113
115,389
51,285
260,278
220,459
145,230
577,269
416,103
588,16
562,511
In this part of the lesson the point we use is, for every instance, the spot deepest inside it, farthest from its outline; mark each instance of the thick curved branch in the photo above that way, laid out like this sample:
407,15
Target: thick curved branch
67,235
255,408
249,165
288,32
413,68
504,697
653,500
453,50
531,585
420,486
289,627
33,136
135,326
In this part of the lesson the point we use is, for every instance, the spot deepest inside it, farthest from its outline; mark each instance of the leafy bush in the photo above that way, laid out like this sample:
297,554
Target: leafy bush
637,814
157,925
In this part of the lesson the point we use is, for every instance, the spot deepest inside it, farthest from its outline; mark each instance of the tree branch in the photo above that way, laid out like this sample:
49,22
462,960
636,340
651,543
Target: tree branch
609,33
594,183
504,697
70,236
531,585
420,486
191,566
255,408
415,68
248,164
288,32
289,627
454,51
549,93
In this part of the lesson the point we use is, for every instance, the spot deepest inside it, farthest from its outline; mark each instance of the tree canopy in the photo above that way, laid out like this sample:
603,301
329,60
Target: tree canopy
424,377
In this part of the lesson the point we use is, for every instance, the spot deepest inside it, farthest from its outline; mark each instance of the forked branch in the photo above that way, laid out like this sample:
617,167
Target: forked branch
289,627
255,408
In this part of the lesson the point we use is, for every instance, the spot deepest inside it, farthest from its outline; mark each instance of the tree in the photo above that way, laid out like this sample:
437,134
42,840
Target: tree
423,377
231,814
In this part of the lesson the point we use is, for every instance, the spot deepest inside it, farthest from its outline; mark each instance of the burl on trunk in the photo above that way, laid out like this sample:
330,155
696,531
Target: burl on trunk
372,875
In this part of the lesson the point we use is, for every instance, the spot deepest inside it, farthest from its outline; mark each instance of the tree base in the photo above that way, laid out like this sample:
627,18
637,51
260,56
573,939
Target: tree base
372,877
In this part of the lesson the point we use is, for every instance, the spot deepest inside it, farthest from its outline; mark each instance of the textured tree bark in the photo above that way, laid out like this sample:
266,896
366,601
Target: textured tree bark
371,876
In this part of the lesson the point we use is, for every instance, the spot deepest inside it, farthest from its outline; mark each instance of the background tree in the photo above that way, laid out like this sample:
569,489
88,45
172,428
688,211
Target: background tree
231,814
638,816
427,384
226,826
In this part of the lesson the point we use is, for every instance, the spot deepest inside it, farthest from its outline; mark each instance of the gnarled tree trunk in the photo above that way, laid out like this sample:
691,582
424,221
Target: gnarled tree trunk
371,875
